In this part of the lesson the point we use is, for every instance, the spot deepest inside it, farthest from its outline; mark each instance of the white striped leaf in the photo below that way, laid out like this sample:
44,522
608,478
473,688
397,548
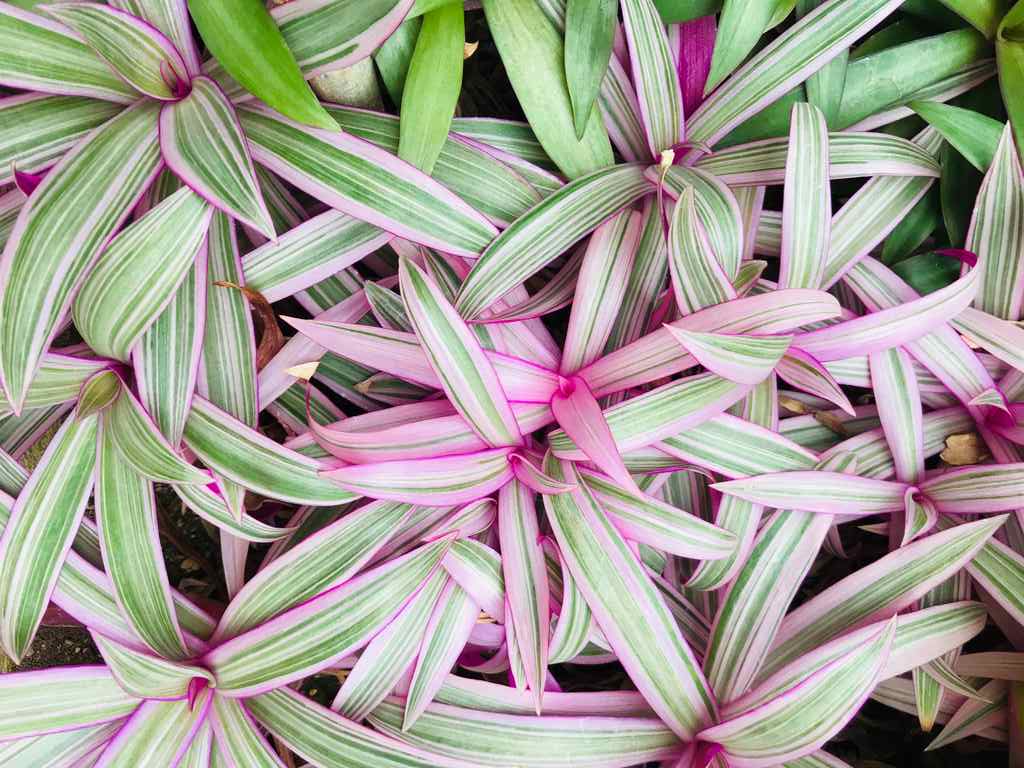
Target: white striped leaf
574,624
546,231
447,632
144,675
943,672
801,719
65,749
526,582
323,561
974,716
826,492
136,51
36,129
899,407
238,737
600,287
61,231
213,508
59,699
365,182
132,554
157,733
390,654
805,372
245,456
997,665
458,360
468,737
172,19
42,524
742,359
42,55
166,357
878,590
533,54
807,202
650,521
698,279
996,233
333,625
999,570
629,608
654,75
478,570
139,273
202,142
850,155
785,62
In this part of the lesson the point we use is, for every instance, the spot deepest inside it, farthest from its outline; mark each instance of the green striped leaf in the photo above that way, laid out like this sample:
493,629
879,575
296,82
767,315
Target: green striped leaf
136,51
126,511
41,55
532,51
144,675
321,562
467,376
478,570
202,142
139,273
245,456
999,570
807,202
390,654
698,280
996,233
974,716
459,736
238,736
434,81
334,624
60,233
213,508
52,700
546,231
628,607
510,136
63,749
246,41
97,393
35,129
171,18
159,732
743,359
366,182
785,62
166,357
899,407
42,524
589,29
654,75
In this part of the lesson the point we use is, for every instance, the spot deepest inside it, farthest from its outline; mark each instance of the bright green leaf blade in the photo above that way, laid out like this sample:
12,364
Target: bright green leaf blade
432,87
974,135
739,28
1010,61
393,57
589,29
245,39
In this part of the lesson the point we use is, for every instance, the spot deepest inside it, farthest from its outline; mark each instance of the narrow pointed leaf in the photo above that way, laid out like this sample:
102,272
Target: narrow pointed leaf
819,491
158,731
974,135
740,27
478,569
589,29
238,737
974,716
807,206
144,675
743,359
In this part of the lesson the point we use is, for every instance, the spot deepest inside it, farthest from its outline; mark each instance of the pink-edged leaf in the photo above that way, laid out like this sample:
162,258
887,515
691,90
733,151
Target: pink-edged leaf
466,375
159,732
698,278
534,478
831,493
803,371
975,716
579,414
172,19
744,359
920,516
899,408
976,490
436,481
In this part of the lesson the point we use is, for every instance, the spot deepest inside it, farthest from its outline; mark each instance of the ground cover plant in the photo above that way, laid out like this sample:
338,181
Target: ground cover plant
637,383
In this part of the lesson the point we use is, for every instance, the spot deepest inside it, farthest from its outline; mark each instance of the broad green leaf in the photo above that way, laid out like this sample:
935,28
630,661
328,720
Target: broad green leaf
126,511
1010,61
139,273
533,54
974,135
166,356
36,129
628,607
825,87
333,625
245,39
60,233
807,201
433,83
546,231
911,233
42,55
366,182
983,15
392,58
245,456
42,524
654,76
136,51
589,29
202,142
52,700
739,28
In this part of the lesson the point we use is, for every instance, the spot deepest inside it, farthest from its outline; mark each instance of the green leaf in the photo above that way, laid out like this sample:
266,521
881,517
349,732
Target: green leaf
983,15
1010,61
531,50
739,28
393,57
433,83
97,393
244,38
589,31
928,272
974,135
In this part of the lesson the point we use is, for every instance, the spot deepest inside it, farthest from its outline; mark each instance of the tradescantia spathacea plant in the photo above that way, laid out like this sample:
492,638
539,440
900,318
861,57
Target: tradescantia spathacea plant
544,409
